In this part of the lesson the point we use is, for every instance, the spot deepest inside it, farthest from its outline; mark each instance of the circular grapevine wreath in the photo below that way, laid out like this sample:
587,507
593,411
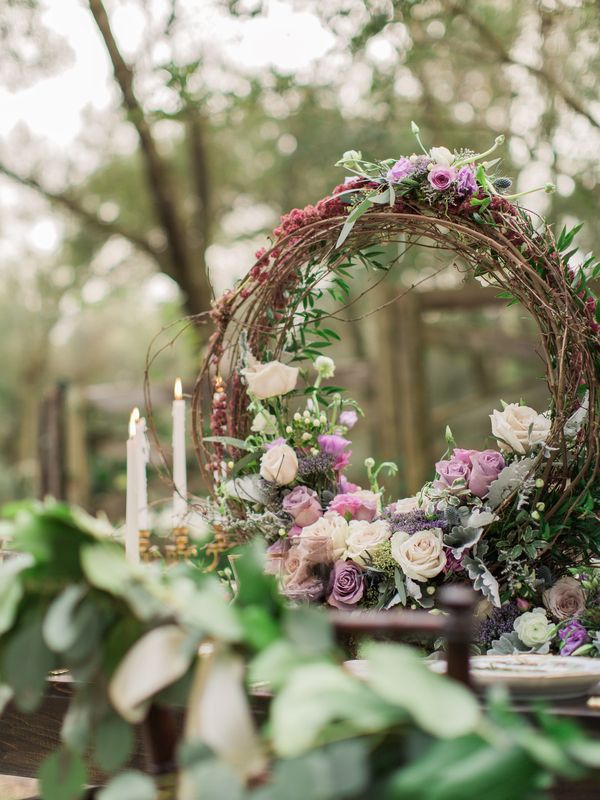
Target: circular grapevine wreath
458,207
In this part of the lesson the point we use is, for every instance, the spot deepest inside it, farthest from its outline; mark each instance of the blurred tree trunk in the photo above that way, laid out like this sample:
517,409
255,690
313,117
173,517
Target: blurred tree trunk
184,260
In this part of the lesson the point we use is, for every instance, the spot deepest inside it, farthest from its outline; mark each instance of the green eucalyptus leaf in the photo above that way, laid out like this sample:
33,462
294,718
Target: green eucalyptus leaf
421,692
129,786
211,779
63,776
11,589
26,662
76,726
106,568
61,627
113,743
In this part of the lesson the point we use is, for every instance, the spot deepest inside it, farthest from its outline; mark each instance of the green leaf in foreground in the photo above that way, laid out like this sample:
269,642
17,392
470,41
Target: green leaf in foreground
27,661
398,675
129,786
63,776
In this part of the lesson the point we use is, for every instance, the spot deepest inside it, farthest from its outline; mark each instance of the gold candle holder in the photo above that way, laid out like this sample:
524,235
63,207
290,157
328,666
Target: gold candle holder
144,545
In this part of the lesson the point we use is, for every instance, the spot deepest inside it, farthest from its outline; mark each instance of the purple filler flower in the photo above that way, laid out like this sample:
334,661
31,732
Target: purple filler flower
346,585
485,468
332,444
348,418
573,635
401,169
441,177
465,180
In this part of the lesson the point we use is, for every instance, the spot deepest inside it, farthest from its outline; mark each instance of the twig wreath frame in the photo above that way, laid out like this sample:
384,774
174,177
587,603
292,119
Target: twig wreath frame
447,201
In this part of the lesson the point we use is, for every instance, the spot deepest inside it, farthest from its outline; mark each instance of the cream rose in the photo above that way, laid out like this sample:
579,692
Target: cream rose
421,555
279,465
405,506
332,526
519,428
271,379
365,539
441,155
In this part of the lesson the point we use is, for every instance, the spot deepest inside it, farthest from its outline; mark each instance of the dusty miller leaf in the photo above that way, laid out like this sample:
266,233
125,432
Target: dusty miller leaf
509,480
483,580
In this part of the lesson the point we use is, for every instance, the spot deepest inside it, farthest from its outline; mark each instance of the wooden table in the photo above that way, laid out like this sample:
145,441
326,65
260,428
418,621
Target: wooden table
26,739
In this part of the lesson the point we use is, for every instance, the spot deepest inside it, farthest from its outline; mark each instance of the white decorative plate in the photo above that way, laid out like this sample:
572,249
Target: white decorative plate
525,675
530,675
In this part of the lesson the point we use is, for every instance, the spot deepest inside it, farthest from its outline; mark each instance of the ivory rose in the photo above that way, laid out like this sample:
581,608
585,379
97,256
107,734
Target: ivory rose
333,527
420,556
519,428
279,465
405,506
565,599
534,628
271,379
264,422
365,539
441,155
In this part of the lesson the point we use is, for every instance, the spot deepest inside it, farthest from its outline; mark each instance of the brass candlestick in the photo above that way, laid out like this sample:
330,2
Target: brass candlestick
144,545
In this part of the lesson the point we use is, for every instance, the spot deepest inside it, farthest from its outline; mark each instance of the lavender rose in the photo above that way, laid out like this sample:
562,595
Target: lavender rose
346,585
573,635
565,599
485,468
453,474
465,181
303,505
441,177
401,169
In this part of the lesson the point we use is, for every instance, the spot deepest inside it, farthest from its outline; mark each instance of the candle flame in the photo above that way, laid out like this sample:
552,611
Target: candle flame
135,415
178,391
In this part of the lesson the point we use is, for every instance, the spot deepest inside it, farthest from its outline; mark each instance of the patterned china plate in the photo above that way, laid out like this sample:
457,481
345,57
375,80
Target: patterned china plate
524,675
531,675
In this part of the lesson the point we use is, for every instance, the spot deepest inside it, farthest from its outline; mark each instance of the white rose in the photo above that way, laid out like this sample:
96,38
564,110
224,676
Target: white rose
405,506
421,555
271,379
325,366
534,628
441,155
334,528
519,428
365,539
279,465
264,422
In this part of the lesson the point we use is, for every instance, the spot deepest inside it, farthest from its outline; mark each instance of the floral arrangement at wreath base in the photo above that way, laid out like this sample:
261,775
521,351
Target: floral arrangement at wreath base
519,521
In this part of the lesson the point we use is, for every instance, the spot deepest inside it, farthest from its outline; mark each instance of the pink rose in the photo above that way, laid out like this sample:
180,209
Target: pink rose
485,468
303,505
361,505
441,177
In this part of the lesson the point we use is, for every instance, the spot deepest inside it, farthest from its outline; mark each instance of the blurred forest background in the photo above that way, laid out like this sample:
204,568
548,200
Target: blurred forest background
215,117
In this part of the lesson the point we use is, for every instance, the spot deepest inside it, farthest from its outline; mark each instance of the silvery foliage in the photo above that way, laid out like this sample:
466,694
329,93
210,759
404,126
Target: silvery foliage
509,643
249,489
482,579
414,590
517,476
468,525
575,422
596,642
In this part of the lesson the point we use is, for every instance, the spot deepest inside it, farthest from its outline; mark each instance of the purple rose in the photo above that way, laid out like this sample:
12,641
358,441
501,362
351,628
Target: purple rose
304,506
401,169
348,418
452,471
459,454
332,444
441,177
465,180
485,468
573,635
346,585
